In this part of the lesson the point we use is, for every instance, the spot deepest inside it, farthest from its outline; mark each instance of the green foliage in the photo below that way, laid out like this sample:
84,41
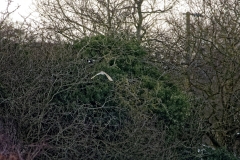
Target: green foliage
102,46
208,153
2,91
126,60
57,105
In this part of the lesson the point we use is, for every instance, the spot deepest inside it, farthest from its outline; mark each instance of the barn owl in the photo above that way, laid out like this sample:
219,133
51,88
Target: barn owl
103,73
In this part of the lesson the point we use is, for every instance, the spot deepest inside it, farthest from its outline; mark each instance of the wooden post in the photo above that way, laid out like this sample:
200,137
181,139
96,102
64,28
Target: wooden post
188,37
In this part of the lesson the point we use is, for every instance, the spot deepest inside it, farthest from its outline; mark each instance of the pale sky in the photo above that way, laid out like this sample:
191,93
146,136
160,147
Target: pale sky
25,8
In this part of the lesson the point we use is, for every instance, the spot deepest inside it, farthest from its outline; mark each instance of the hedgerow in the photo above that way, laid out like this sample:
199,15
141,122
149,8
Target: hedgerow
59,112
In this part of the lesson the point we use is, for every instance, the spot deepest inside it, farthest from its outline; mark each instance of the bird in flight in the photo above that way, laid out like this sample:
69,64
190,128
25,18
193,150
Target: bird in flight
103,73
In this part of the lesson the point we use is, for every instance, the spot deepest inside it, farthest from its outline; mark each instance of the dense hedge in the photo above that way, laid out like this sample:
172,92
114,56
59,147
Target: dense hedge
54,110
126,60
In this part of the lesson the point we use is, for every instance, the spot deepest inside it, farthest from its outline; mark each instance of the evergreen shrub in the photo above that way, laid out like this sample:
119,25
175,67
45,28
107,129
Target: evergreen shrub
61,113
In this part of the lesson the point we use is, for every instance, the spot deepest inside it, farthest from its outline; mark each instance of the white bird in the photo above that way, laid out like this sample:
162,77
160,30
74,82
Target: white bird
103,73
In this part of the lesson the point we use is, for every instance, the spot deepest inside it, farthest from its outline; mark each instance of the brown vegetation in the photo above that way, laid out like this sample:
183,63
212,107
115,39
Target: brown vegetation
50,108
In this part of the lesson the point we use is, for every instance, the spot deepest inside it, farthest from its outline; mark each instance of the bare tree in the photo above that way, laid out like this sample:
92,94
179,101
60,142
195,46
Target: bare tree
213,46
74,19
6,13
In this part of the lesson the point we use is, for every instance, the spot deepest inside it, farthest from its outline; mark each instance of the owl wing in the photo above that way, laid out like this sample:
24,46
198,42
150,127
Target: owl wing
109,78
103,73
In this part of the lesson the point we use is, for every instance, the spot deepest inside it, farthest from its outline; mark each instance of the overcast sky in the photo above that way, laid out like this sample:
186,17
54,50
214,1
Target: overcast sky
25,8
